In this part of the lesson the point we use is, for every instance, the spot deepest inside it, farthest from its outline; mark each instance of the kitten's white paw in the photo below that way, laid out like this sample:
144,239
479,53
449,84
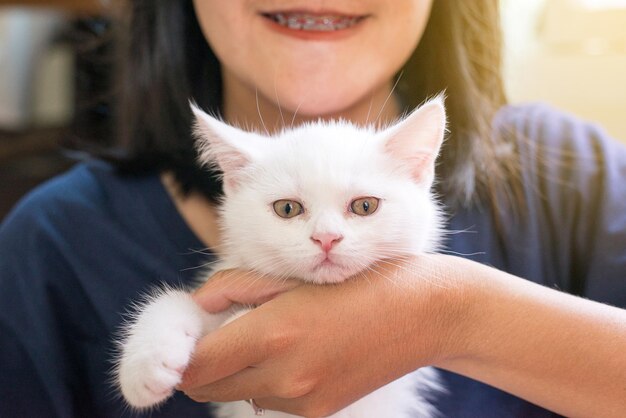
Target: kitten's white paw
158,348
148,375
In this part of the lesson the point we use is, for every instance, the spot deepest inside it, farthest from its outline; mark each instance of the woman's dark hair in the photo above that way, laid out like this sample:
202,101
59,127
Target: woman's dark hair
166,61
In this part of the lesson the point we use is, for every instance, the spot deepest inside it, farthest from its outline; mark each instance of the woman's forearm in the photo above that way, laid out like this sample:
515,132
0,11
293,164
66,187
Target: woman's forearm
562,352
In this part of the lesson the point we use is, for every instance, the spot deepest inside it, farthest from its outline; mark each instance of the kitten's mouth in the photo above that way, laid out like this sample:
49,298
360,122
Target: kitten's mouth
313,22
326,263
330,271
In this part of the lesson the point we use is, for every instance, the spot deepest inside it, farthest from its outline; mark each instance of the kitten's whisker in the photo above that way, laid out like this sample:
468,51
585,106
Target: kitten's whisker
463,254
241,287
369,111
258,109
283,277
280,110
406,269
206,251
398,252
388,97
467,230
255,272
293,119
371,269
201,266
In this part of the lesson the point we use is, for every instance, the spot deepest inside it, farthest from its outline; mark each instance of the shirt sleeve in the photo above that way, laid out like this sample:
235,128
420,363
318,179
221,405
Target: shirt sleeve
574,177
37,377
604,247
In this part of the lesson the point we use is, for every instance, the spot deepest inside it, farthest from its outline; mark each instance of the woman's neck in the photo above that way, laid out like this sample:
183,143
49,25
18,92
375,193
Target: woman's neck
196,210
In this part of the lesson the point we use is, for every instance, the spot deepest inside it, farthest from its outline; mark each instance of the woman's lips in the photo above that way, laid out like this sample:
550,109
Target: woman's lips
313,22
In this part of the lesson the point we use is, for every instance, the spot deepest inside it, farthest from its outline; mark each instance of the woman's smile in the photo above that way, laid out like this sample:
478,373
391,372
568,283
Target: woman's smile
308,25
316,22
309,57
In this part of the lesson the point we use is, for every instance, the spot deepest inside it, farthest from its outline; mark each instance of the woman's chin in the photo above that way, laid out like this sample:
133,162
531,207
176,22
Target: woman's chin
312,106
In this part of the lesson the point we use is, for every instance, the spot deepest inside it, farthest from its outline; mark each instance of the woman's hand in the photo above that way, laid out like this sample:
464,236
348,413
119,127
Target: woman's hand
315,349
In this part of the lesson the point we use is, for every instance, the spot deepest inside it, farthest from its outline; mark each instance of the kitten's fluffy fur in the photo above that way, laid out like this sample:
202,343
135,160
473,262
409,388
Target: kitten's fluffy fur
324,166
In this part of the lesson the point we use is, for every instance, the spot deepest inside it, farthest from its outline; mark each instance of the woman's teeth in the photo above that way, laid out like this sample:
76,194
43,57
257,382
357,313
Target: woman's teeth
303,21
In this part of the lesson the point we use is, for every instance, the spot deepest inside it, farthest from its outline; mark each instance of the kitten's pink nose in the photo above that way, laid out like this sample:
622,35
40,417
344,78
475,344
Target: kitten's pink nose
326,240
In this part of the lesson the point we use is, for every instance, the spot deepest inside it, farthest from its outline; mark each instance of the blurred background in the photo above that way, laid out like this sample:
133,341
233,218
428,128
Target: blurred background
54,72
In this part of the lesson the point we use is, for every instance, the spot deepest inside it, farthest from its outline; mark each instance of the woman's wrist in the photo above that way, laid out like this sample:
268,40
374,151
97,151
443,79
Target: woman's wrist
471,298
457,310
441,304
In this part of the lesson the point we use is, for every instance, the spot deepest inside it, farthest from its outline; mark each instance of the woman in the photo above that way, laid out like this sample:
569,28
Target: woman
538,192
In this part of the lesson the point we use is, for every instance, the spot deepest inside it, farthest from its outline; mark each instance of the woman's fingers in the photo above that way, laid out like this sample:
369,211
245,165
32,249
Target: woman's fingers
242,385
228,287
248,383
270,380
214,358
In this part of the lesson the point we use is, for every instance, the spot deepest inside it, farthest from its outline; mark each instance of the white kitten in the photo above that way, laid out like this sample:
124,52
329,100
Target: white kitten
320,203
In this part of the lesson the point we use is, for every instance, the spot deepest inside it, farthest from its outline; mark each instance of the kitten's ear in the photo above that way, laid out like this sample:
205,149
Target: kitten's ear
221,145
416,140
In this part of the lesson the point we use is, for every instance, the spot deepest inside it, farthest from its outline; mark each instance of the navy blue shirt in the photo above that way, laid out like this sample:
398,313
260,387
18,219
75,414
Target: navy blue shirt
77,250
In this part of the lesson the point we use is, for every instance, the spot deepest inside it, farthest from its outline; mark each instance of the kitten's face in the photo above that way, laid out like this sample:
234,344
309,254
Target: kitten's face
323,202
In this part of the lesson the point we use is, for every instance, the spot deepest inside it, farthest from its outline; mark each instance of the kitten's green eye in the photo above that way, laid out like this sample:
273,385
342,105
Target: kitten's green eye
364,206
287,208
